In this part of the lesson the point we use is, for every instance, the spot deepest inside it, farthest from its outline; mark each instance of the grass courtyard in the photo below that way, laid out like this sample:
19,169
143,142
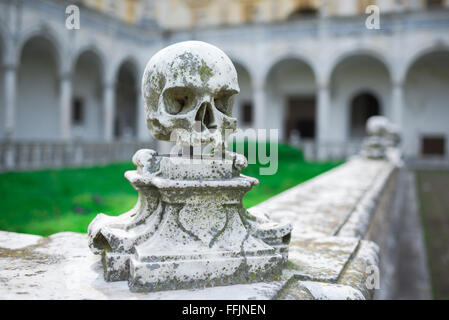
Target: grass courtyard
433,187
49,201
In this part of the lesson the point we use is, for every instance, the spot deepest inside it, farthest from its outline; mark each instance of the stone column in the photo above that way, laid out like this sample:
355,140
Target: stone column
323,113
65,105
398,102
323,122
323,8
259,98
109,110
10,87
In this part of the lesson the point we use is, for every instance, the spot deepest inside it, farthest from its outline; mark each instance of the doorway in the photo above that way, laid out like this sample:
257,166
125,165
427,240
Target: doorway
301,117
363,107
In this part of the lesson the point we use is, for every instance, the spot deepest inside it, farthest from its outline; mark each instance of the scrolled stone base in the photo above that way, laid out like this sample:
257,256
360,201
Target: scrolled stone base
189,228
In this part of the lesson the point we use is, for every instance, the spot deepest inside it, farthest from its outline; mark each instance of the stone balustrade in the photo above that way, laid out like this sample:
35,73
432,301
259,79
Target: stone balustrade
323,151
29,155
340,220
22,155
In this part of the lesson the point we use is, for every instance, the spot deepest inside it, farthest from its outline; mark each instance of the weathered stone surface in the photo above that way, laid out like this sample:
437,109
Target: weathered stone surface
382,141
188,232
334,267
189,228
322,206
364,262
321,259
13,240
310,290
358,222
187,89
62,267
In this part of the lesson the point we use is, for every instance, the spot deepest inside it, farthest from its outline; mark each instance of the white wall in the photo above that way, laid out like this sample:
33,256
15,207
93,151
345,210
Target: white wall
345,7
351,77
37,114
426,101
126,92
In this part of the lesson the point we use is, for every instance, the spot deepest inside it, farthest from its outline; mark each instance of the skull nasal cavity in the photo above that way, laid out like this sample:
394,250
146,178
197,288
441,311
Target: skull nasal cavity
205,116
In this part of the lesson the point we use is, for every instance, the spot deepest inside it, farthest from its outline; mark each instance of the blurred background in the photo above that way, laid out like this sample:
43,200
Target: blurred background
310,68
71,112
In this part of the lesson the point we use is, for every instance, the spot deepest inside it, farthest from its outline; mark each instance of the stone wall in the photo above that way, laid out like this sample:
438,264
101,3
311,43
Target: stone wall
335,250
343,223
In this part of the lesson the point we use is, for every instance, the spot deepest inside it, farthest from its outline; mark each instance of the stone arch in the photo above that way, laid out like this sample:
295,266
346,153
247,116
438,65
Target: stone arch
291,86
44,32
425,128
38,89
372,53
95,51
130,61
87,105
357,72
419,53
289,56
303,9
127,99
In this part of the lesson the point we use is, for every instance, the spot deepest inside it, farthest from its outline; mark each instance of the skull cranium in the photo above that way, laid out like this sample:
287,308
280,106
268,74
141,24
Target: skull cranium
187,89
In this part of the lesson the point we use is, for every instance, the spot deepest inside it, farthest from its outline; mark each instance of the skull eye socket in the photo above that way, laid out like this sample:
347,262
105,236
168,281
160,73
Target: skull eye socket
178,100
223,101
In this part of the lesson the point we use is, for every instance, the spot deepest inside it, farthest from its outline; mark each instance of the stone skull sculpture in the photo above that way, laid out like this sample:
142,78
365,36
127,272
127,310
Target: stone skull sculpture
377,126
188,93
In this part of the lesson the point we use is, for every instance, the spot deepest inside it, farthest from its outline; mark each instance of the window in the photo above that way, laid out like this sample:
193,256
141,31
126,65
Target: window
247,113
433,146
77,111
434,3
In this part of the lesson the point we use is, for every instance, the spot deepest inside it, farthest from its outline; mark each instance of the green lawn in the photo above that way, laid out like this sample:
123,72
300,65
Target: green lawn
433,189
50,201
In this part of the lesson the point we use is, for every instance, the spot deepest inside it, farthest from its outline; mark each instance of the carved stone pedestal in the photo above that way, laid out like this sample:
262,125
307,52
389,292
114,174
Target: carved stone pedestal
382,141
189,228
374,147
